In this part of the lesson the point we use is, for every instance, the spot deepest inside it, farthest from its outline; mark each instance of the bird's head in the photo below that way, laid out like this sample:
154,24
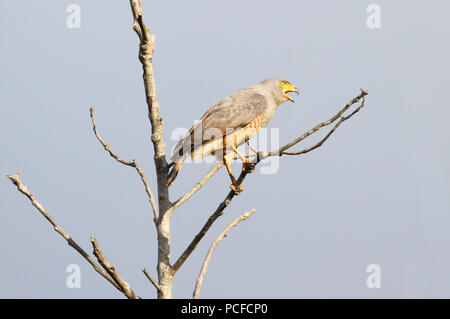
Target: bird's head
280,89
286,88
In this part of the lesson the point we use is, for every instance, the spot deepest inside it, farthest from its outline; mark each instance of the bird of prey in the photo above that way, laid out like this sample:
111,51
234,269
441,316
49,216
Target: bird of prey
230,123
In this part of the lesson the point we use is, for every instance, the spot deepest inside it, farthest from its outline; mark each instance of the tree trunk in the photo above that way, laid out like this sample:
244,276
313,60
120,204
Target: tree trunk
165,272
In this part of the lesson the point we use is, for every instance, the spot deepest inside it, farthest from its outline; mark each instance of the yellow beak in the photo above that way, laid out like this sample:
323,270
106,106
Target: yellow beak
289,89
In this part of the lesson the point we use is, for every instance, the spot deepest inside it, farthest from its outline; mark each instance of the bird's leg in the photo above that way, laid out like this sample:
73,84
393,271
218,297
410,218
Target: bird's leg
236,188
241,156
246,164
251,147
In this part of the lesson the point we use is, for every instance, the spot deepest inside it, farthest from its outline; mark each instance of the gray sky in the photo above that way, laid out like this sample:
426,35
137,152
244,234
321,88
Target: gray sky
376,193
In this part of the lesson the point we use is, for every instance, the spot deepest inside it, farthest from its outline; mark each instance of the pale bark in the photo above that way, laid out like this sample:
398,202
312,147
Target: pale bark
132,163
111,270
125,289
222,235
146,47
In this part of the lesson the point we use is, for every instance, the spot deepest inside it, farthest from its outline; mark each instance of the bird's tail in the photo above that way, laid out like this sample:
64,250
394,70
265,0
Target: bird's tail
174,172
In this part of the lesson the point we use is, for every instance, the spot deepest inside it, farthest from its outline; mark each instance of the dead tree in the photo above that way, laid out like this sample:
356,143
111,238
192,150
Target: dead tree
163,208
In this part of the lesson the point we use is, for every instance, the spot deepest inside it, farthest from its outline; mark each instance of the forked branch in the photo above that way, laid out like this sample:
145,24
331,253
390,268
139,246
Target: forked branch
133,163
340,115
24,190
213,246
150,278
124,286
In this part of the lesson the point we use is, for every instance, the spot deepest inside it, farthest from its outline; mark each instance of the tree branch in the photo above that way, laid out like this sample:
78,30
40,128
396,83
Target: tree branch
219,238
217,213
133,163
341,120
105,145
24,190
125,287
282,149
153,281
197,186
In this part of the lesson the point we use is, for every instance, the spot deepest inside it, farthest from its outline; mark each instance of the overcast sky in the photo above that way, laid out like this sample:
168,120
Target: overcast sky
376,193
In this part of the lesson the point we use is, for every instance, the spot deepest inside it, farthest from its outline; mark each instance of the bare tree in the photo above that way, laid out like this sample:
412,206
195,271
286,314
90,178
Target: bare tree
163,208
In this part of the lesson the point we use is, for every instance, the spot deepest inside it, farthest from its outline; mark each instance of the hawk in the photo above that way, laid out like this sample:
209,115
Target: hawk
230,123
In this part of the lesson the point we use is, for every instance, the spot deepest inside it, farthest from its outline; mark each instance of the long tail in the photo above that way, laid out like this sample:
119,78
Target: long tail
174,172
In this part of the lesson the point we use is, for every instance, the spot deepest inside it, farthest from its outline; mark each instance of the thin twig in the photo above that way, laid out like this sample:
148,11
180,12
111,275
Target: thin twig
219,238
112,271
317,127
147,189
153,281
105,145
341,120
133,163
24,190
197,186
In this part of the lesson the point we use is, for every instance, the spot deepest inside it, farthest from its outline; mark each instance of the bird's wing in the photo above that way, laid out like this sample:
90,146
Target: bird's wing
233,112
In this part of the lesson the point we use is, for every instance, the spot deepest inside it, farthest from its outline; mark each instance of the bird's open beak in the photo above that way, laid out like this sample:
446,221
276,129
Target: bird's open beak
292,89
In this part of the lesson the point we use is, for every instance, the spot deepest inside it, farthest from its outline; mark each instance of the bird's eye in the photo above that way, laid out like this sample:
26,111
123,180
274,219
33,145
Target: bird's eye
282,84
